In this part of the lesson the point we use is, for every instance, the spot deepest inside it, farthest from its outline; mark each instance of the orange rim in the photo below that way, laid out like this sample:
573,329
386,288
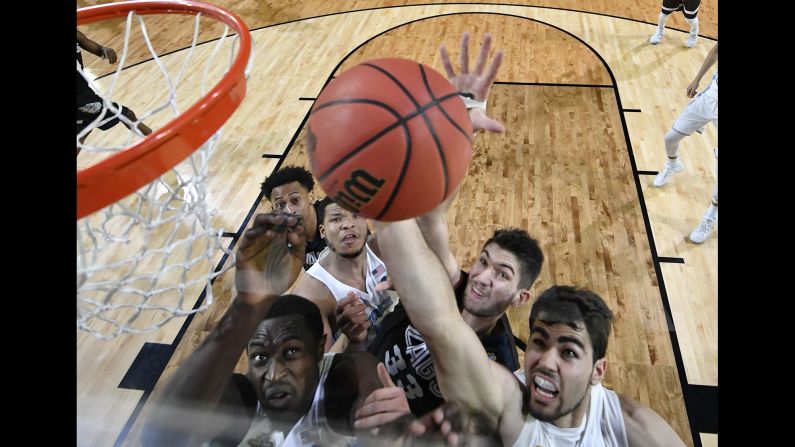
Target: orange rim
147,159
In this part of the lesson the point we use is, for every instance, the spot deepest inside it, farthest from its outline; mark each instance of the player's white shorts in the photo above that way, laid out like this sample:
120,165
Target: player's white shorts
701,111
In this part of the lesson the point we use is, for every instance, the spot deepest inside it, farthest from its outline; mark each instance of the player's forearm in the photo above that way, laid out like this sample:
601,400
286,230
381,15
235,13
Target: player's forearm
419,278
436,233
462,365
88,44
179,416
711,59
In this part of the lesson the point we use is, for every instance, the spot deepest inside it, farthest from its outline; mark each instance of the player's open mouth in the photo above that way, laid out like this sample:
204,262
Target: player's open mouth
277,399
477,293
544,389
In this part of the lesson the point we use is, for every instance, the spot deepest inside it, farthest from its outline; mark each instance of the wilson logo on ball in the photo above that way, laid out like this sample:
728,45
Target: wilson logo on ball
358,190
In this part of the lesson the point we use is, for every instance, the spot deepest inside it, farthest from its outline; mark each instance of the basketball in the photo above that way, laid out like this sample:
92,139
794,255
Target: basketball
389,139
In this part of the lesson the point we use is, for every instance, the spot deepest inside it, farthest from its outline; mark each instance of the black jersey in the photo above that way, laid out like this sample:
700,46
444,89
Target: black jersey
407,359
314,248
83,89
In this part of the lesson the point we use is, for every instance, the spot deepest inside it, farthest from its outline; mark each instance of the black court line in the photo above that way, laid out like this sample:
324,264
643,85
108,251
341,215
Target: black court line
126,430
648,172
271,156
704,400
663,293
547,84
652,247
142,401
306,99
146,368
232,35
228,234
631,110
472,12
671,260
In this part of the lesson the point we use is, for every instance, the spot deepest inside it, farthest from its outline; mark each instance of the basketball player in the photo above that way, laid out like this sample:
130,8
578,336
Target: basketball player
501,277
563,401
89,104
701,111
360,304
293,393
290,190
342,283
689,8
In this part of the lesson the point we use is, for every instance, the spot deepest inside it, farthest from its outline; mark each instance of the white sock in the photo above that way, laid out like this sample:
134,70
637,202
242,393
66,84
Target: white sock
712,212
672,139
693,25
661,22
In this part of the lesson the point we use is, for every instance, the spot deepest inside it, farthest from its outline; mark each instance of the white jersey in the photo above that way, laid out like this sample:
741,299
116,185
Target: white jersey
311,429
712,88
603,426
378,304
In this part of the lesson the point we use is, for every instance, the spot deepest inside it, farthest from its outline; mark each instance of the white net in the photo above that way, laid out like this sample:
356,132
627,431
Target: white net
151,256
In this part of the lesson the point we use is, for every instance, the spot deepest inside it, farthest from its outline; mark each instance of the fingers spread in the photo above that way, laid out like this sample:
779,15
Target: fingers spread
448,66
484,54
464,57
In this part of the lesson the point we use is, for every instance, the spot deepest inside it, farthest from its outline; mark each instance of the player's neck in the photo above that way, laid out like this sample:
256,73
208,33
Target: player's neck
481,325
348,268
574,419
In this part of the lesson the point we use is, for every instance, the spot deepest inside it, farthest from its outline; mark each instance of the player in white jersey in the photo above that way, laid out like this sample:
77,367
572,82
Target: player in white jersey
342,282
562,402
292,394
700,112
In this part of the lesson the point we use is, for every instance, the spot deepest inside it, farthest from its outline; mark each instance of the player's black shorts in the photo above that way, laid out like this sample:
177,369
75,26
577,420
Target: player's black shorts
89,107
689,7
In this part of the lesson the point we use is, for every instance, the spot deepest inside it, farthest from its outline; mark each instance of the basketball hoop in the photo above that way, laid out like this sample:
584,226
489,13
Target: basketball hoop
145,243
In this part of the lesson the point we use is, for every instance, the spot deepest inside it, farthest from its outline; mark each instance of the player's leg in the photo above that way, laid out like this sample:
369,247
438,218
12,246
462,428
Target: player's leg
691,17
690,120
668,6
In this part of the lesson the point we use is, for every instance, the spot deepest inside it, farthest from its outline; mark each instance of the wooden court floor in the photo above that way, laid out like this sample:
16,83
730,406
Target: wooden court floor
585,100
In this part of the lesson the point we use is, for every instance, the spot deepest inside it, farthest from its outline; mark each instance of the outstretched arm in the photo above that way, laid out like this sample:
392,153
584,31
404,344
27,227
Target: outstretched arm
712,58
265,268
434,224
436,232
463,369
95,48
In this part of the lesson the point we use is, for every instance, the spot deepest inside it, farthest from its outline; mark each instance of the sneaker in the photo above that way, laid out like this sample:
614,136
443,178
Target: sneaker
691,39
703,230
656,37
668,171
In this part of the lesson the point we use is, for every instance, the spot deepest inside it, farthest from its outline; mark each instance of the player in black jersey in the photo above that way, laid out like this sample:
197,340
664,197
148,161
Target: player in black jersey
89,104
501,277
290,190
690,10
